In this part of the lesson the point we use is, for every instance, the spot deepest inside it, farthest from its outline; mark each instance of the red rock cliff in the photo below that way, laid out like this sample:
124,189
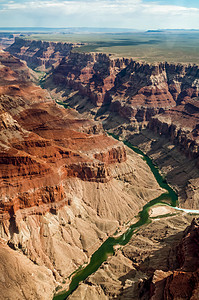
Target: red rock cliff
40,55
42,145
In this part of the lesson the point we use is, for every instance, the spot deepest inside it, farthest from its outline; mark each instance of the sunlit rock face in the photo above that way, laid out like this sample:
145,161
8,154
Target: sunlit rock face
40,55
65,185
161,96
181,281
42,144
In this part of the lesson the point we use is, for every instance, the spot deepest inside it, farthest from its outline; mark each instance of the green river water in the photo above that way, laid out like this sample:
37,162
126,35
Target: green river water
107,248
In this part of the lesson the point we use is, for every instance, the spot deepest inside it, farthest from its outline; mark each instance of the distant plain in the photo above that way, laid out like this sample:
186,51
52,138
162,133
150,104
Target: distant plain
171,46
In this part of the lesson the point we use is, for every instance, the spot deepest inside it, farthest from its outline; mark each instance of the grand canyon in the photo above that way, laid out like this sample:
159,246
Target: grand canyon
69,183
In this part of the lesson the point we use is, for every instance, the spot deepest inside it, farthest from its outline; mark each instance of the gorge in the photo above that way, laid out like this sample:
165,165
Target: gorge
66,186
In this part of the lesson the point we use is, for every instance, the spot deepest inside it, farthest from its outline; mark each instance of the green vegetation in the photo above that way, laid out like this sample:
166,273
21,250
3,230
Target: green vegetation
171,46
59,287
63,104
163,216
193,214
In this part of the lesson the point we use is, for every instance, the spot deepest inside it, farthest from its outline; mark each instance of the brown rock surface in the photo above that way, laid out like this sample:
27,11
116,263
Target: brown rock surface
65,185
131,87
181,171
40,55
41,138
134,94
131,93
181,282
22,279
180,125
158,263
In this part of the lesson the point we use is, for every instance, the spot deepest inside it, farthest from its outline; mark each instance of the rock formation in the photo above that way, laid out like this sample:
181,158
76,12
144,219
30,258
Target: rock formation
65,185
182,281
6,39
162,96
40,55
134,91
161,262
180,125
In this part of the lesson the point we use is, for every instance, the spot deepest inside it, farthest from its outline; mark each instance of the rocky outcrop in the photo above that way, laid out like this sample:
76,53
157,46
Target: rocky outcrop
75,185
183,281
92,74
128,85
40,55
161,96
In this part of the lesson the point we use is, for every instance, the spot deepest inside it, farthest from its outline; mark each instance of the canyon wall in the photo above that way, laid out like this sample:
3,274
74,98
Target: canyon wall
161,262
38,138
125,93
181,281
40,55
65,186
180,125
128,84
129,97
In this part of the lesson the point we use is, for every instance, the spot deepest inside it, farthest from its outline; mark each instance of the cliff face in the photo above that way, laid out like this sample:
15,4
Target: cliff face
40,55
92,74
65,185
133,94
38,139
183,281
133,91
180,125
127,84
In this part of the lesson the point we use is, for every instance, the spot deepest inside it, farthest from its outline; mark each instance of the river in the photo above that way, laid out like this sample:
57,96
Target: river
107,248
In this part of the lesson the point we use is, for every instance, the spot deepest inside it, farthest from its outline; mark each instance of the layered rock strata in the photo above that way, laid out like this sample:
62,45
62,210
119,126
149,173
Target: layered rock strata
65,185
127,96
133,91
128,84
40,55
162,96
181,126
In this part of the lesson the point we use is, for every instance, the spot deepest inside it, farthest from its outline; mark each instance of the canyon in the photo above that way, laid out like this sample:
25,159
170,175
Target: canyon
41,55
66,185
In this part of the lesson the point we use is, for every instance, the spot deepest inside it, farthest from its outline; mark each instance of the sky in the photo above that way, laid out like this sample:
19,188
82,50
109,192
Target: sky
135,14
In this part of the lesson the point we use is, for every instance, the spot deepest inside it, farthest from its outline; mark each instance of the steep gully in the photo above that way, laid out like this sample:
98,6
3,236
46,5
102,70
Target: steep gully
169,198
